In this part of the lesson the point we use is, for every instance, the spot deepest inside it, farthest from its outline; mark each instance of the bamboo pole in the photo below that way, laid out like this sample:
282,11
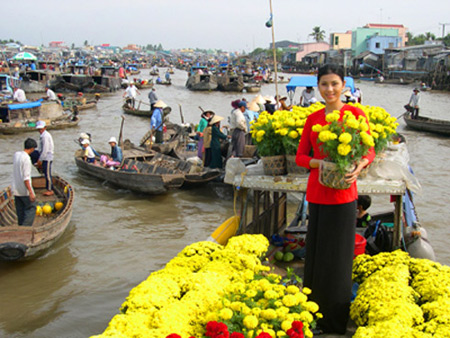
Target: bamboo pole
274,53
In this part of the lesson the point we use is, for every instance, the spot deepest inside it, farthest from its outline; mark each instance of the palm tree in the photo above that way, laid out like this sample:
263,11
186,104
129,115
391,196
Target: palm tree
318,34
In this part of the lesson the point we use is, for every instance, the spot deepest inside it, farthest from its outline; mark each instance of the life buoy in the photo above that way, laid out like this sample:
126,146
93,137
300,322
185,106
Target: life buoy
12,251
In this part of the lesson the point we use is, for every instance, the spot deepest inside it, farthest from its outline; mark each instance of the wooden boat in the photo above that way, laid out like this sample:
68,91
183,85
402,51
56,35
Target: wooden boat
22,117
18,242
68,121
230,83
148,172
394,81
76,105
201,81
252,87
137,112
164,83
144,85
428,124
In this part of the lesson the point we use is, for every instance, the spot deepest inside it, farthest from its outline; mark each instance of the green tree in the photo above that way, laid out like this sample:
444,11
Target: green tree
86,42
430,36
318,34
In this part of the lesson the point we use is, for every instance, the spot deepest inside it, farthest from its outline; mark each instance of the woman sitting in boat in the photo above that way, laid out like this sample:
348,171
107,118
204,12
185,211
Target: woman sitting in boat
116,155
88,155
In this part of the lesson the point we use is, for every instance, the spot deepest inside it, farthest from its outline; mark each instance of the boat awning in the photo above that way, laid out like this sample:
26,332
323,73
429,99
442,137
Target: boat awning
311,81
25,105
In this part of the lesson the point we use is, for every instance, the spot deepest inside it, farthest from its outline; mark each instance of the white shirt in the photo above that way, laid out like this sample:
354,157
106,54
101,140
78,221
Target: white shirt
51,95
414,100
46,147
131,91
19,95
307,96
238,120
21,173
88,152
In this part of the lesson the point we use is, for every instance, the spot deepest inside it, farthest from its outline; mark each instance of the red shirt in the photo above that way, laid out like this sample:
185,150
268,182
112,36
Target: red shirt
316,192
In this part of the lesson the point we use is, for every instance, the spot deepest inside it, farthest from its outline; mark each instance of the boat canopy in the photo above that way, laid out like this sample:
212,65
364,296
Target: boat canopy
25,105
311,81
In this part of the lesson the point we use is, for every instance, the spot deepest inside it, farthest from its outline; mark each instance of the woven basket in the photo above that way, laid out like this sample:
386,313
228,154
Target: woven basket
330,177
274,165
292,167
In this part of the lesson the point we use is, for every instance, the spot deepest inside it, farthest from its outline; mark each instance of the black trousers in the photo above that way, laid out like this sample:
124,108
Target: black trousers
25,209
330,243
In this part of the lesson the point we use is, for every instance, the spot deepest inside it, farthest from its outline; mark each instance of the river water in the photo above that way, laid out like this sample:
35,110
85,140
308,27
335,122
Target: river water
117,238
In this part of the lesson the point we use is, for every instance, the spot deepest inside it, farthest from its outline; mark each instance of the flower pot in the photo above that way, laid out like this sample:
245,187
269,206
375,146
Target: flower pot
292,168
331,177
274,165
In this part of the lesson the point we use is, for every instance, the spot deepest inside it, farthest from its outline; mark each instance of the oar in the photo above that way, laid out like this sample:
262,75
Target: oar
121,130
201,109
181,114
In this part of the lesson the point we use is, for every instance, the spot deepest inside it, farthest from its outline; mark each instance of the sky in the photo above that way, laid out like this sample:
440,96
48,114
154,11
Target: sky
230,25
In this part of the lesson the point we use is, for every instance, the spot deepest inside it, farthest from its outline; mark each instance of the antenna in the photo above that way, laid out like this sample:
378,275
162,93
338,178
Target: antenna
443,28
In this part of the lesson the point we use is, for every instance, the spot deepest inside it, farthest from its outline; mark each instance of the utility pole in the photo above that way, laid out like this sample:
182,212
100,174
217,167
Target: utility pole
443,28
274,54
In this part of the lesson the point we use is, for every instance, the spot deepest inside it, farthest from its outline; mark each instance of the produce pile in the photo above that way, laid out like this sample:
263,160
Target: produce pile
46,209
400,296
208,289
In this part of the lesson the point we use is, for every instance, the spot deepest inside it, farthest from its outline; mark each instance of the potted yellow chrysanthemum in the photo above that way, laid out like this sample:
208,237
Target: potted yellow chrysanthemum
345,142
277,137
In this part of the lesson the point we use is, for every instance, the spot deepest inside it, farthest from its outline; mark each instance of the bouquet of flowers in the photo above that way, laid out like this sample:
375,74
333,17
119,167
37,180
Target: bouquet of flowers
383,126
344,141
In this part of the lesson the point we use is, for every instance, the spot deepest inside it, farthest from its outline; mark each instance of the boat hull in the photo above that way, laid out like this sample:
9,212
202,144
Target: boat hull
427,124
142,183
20,242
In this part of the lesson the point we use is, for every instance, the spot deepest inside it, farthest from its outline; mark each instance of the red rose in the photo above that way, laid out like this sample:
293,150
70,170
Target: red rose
296,331
264,335
237,335
217,330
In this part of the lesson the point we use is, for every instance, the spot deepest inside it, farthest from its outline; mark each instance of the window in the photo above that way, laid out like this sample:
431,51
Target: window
336,40
377,45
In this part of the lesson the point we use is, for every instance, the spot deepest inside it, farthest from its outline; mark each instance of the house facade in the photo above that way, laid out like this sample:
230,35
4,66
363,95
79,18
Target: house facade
341,40
361,34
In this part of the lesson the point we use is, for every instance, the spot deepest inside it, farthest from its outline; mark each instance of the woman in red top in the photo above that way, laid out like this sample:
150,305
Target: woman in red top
330,239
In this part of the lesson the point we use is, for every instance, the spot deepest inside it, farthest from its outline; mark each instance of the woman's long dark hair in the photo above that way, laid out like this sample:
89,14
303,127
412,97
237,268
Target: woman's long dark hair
330,69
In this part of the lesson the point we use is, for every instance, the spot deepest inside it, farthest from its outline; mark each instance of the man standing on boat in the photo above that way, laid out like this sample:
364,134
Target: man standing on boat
414,102
24,197
153,98
130,94
157,121
239,127
45,161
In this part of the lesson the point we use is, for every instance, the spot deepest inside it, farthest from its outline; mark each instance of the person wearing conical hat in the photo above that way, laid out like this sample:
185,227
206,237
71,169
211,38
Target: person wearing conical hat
157,121
216,136
203,124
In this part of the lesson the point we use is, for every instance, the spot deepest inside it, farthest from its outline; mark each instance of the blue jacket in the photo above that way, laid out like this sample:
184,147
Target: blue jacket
116,154
156,120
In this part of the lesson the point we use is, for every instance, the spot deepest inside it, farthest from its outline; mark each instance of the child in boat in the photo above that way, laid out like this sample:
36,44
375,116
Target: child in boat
363,217
88,154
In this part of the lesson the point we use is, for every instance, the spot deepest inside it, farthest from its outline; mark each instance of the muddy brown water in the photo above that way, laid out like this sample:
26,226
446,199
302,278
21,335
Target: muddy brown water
117,238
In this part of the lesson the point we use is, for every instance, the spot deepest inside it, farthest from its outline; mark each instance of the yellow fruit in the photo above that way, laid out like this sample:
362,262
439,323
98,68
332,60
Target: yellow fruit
38,210
47,209
58,205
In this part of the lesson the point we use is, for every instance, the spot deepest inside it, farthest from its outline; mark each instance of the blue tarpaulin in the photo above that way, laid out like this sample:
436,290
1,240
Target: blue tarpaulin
25,105
311,81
